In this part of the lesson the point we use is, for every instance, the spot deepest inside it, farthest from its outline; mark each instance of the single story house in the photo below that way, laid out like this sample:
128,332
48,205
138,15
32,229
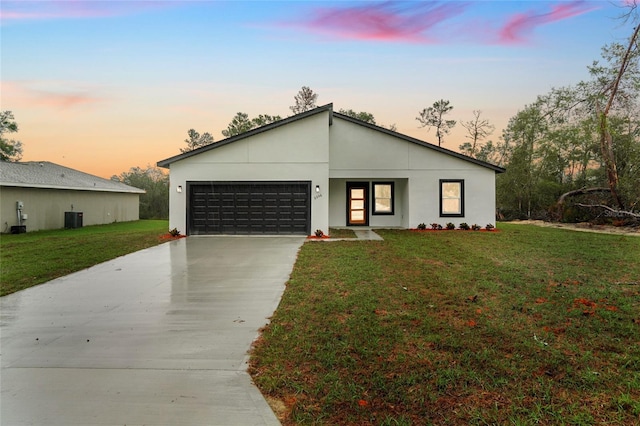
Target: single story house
42,195
322,169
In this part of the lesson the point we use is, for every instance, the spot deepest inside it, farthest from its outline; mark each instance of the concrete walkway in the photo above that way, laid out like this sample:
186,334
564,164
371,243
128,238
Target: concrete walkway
158,337
367,234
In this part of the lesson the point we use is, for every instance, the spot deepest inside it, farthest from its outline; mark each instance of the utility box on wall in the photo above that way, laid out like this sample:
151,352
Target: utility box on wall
73,220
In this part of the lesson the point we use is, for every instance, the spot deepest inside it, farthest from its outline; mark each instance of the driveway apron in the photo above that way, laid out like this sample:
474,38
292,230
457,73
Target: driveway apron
157,337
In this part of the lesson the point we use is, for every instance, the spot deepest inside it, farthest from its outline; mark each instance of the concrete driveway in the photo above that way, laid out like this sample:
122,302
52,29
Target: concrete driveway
157,337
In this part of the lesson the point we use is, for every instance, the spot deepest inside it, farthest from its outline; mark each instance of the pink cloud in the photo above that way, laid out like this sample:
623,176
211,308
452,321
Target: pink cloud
71,9
388,21
56,95
63,100
520,25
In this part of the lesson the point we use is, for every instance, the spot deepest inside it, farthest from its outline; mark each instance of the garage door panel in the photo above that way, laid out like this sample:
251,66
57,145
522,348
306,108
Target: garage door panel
249,208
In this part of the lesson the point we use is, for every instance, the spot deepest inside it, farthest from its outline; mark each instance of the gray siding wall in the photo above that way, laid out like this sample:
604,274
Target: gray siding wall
45,208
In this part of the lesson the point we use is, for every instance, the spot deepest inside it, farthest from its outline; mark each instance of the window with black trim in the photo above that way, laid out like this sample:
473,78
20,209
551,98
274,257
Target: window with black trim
451,197
382,199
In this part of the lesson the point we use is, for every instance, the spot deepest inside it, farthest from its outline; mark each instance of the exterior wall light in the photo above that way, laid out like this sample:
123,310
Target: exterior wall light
179,188
317,188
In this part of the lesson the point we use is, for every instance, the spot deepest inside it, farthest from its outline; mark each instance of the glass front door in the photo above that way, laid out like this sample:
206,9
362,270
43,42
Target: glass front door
357,212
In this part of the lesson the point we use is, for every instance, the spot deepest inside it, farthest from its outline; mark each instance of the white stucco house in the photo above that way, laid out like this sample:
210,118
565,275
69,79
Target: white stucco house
322,169
38,195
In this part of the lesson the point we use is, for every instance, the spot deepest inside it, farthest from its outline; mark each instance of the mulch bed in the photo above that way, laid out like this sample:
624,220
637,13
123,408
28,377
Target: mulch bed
449,230
168,237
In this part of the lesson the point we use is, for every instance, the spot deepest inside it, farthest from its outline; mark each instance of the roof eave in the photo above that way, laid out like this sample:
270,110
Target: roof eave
72,188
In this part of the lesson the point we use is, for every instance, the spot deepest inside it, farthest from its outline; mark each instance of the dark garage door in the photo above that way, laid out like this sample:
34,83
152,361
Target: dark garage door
249,208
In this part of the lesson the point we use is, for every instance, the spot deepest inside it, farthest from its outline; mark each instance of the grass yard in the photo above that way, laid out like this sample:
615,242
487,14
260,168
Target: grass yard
341,233
36,257
523,326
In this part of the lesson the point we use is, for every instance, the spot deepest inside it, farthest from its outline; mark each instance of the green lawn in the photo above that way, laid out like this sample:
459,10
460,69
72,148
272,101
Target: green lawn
341,233
36,257
523,326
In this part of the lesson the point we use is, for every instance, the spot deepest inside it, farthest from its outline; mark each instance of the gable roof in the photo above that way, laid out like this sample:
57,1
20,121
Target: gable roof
325,108
44,174
424,144
329,107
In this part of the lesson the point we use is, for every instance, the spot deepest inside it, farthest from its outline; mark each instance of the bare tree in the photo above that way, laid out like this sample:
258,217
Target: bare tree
606,140
477,130
305,100
434,117
625,71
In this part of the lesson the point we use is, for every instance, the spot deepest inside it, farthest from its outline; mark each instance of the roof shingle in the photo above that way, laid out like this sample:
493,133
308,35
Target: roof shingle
44,174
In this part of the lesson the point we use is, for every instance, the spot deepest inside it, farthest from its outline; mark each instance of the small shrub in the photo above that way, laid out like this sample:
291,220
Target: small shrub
475,227
436,226
464,226
450,226
422,226
489,227
319,233
174,232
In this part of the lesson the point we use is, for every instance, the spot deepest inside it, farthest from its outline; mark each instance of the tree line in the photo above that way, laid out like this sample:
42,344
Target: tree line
574,153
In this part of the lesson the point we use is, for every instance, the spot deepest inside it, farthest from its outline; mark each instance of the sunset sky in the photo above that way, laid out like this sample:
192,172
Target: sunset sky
102,86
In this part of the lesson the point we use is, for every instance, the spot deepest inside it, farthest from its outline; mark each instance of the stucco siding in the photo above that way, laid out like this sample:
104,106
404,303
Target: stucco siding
315,173
338,204
355,147
361,153
296,152
304,141
479,197
427,159
45,208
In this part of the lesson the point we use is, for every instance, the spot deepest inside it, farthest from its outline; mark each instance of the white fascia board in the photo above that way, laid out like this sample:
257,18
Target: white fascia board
72,188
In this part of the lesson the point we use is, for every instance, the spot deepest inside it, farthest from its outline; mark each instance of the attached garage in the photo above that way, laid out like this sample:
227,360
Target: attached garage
249,208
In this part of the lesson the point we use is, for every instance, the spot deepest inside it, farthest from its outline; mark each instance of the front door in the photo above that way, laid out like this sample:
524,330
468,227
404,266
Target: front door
357,201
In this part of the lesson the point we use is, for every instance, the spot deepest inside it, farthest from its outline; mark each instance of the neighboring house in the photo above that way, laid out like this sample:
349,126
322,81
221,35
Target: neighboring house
37,194
321,169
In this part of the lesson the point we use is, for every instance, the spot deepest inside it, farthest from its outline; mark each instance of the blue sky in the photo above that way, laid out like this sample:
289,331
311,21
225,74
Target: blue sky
102,86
